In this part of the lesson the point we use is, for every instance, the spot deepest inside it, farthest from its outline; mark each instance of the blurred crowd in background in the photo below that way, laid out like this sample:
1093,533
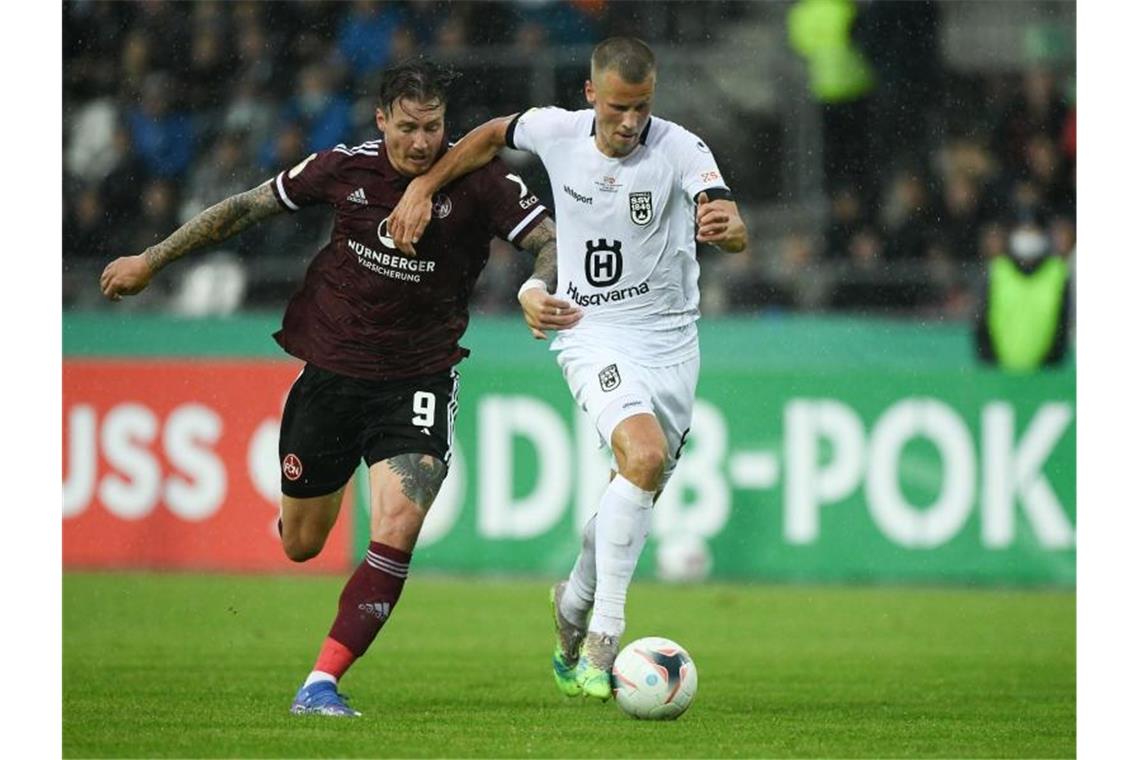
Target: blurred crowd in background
171,107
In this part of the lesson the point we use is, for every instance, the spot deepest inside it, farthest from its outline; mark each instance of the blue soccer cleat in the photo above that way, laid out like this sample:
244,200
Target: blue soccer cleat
322,698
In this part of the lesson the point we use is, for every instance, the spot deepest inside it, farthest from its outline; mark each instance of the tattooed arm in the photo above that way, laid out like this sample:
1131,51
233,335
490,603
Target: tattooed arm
128,275
541,310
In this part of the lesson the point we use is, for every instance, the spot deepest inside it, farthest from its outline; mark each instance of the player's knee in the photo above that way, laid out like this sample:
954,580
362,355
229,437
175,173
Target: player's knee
300,548
645,467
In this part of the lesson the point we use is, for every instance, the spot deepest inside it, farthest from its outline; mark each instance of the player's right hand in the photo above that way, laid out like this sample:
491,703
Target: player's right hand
407,222
125,276
543,311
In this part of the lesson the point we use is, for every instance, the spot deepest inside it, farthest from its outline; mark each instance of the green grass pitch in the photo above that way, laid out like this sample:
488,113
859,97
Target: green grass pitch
206,666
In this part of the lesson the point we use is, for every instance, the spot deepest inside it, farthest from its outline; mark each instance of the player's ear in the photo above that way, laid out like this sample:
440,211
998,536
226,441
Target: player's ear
380,119
591,96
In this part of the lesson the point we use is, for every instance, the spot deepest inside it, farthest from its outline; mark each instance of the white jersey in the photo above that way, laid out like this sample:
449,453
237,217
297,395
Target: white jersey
626,231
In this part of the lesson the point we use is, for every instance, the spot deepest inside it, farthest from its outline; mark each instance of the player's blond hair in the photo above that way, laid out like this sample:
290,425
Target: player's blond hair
631,58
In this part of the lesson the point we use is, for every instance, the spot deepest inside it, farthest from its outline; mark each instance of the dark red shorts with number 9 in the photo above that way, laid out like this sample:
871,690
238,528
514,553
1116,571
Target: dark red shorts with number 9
332,421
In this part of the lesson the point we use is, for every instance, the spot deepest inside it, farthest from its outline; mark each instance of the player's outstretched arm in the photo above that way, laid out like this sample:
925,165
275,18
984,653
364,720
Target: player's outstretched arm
719,223
410,218
541,310
128,275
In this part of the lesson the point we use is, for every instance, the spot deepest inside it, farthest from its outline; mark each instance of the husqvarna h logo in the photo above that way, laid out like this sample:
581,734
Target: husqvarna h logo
603,262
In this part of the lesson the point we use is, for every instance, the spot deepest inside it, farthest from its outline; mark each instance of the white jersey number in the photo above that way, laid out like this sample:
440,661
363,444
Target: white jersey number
423,404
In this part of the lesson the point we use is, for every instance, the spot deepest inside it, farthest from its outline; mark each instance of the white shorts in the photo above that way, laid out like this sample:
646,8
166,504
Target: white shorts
610,387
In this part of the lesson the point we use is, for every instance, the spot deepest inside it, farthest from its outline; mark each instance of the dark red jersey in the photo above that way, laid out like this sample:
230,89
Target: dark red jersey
367,310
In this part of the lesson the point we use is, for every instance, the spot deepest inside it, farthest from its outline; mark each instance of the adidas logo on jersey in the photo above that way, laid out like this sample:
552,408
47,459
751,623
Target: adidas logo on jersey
379,610
357,196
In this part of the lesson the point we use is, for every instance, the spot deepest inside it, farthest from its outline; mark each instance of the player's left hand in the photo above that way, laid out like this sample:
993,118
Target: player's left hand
543,311
407,222
719,223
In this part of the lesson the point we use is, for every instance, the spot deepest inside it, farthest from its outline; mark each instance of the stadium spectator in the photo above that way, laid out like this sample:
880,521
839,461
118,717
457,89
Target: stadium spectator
379,334
902,43
250,112
1038,109
421,19
1025,312
135,63
906,218
555,22
322,113
959,218
364,37
91,152
225,171
257,66
841,80
209,63
93,38
451,34
85,228
163,139
111,48
846,218
1045,169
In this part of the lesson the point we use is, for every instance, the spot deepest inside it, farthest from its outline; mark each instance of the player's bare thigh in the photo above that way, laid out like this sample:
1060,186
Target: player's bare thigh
639,447
307,522
403,488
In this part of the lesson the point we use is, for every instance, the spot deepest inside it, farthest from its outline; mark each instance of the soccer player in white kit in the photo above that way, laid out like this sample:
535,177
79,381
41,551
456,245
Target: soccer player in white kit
632,196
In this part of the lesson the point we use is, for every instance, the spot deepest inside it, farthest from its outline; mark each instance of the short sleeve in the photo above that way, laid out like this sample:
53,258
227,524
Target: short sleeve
308,183
513,210
699,170
535,129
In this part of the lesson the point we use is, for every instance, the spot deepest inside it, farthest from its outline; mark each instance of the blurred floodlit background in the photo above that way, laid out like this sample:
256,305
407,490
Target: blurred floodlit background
879,150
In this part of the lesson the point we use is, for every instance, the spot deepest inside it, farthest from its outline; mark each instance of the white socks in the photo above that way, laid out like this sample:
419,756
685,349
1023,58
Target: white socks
624,517
318,675
578,597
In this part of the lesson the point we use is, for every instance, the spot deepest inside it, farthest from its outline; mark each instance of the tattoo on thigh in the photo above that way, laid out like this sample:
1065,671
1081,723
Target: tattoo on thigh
421,476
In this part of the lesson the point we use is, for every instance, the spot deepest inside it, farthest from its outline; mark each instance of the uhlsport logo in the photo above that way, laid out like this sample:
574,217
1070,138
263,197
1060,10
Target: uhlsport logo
609,377
603,262
440,206
291,467
641,208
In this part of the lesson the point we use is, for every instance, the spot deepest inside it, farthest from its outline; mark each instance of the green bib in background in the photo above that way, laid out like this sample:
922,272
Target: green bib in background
1023,311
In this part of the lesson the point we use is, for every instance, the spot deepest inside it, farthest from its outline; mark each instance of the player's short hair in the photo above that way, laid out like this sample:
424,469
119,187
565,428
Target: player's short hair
416,79
628,56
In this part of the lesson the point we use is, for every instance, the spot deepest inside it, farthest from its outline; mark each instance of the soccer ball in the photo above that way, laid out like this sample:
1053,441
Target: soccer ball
654,679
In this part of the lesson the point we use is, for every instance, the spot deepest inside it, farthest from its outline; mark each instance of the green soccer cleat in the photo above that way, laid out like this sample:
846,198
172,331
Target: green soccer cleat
566,647
594,669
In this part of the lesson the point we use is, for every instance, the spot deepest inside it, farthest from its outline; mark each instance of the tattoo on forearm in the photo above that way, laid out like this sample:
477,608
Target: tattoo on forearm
542,242
421,476
217,223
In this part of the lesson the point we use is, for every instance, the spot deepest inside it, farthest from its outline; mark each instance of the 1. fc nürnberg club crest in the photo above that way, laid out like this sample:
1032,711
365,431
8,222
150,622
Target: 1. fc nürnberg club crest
641,208
440,206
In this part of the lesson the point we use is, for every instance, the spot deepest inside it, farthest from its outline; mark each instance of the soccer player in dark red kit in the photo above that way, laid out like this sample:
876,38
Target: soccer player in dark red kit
379,332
